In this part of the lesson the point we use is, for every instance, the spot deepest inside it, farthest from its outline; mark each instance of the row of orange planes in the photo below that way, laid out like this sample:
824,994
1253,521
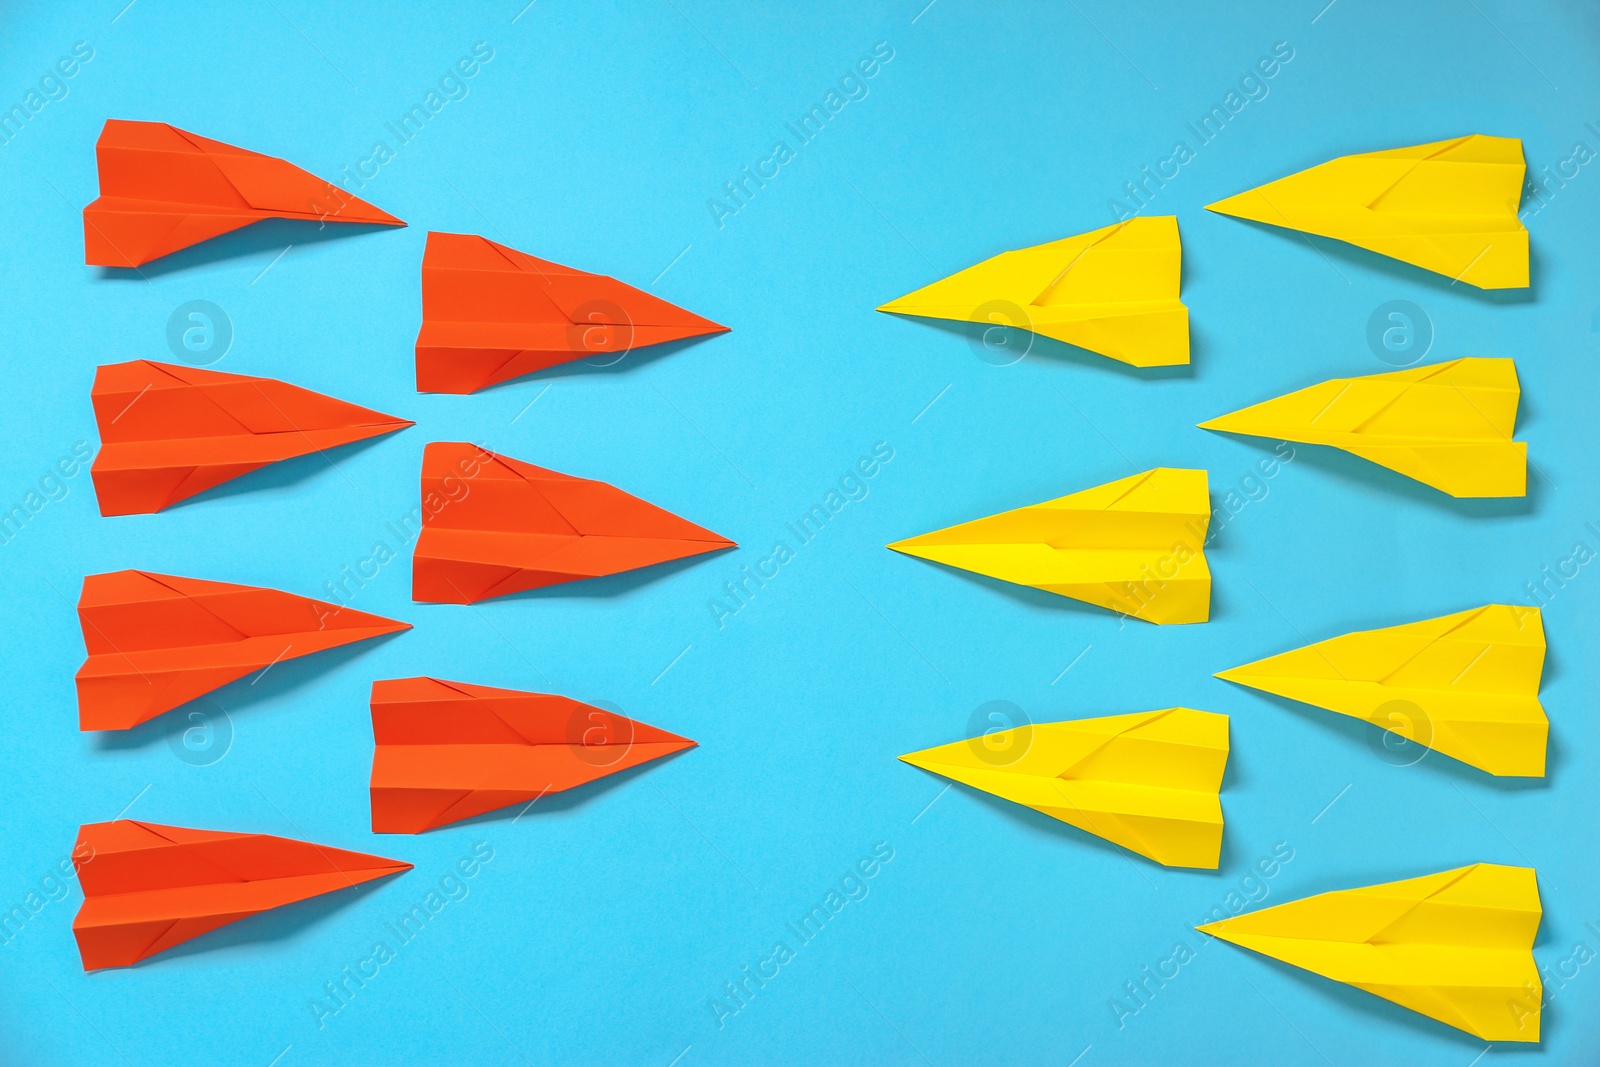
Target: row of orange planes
445,751
491,526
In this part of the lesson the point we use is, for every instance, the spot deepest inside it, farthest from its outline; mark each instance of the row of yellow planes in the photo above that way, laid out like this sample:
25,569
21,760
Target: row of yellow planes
1455,946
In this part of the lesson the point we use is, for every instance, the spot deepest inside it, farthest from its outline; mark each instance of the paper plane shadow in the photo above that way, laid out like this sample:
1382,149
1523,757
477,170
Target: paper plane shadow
1346,466
267,236
282,474
632,359
276,924
1046,601
1041,823
567,799
1035,344
1361,733
1370,1006
1359,258
237,696
611,585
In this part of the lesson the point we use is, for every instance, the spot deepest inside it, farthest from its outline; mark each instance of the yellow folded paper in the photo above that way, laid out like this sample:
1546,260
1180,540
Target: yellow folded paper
1466,685
1449,207
1147,782
1136,546
1447,425
1455,946
1113,291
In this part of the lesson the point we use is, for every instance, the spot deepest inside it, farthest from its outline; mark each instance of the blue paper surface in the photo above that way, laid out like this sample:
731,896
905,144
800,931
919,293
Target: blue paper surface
638,921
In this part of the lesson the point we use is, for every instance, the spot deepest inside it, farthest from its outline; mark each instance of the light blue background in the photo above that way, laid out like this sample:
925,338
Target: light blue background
608,919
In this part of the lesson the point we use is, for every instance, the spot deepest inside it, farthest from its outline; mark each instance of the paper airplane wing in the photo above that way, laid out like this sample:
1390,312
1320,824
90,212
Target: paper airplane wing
491,313
492,525
1449,207
1447,425
148,887
156,641
446,751
1455,946
1466,685
168,432
1135,546
163,189
1113,291
1148,782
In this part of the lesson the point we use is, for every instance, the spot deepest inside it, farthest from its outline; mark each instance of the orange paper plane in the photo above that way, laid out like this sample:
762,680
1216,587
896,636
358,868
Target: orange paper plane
168,432
156,641
447,751
491,313
492,525
163,189
148,887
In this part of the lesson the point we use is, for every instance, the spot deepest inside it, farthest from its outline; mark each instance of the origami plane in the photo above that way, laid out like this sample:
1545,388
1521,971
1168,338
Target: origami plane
1112,291
447,751
156,641
491,313
1466,685
1135,546
1447,425
1455,946
148,887
1449,207
492,525
163,189
1147,782
168,432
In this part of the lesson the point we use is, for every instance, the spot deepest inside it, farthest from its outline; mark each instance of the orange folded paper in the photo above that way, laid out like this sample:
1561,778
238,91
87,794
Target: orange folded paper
491,313
163,189
447,751
168,432
493,525
148,887
156,641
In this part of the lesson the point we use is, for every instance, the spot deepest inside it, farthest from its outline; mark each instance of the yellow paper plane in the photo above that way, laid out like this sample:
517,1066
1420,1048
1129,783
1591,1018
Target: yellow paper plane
1147,782
1455,946
1136,546
1449,207
1112,291
1466,685
1447,425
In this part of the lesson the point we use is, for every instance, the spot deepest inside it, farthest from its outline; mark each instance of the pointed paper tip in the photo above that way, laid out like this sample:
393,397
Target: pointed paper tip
1232,674
1228,206
1211,928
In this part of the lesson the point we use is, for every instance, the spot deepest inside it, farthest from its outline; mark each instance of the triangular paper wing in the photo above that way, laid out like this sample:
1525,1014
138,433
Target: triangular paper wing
1455,946
148,887
446,751
156,641
1135,546
493,525
1148,782
1466,685
168,432
491,313
1447,425
1113,291
1449,207
163,189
